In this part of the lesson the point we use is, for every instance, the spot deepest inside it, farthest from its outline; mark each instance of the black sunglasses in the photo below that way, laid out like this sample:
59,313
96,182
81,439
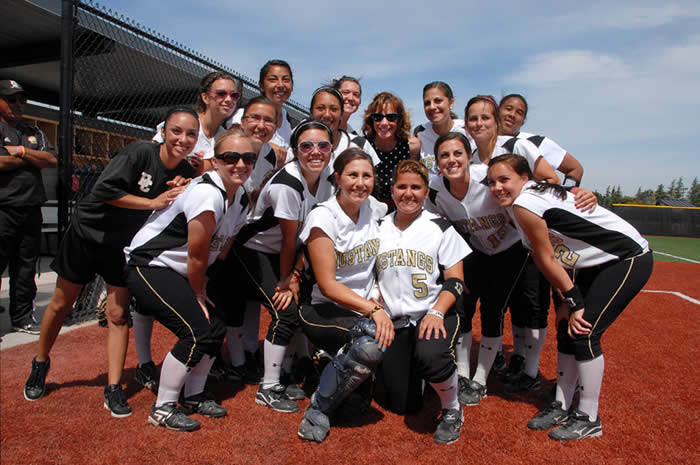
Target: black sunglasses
231,158
390,117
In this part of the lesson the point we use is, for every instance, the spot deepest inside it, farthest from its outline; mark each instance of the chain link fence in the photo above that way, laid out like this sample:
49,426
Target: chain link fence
125,77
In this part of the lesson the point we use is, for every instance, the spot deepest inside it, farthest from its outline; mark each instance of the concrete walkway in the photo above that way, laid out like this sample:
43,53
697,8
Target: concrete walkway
45,283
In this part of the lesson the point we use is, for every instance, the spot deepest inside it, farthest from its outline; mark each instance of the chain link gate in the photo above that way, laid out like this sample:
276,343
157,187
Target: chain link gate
125,77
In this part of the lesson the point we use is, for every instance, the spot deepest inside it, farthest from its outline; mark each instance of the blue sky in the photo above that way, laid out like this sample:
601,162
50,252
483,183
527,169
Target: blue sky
615,83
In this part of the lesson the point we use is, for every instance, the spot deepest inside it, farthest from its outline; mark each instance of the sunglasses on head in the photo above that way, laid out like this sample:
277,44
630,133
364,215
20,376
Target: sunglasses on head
15,98
231,158
307,146
222,94
390,117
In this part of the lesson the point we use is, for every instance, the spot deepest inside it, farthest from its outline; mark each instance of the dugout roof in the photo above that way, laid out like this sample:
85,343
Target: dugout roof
103,43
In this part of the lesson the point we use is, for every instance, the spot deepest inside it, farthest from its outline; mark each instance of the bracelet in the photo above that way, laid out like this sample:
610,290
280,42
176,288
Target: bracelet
24,152
434,312
296,275
573,298
375,309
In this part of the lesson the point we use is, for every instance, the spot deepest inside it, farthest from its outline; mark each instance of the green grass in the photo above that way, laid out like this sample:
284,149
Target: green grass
686,247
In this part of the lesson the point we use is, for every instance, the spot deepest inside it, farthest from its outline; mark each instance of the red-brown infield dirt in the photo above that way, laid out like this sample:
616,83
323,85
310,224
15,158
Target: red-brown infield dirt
649,406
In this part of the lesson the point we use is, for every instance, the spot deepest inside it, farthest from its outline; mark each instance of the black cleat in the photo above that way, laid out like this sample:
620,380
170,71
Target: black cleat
578,426
115,401
549,417
171,417
35,387
450,426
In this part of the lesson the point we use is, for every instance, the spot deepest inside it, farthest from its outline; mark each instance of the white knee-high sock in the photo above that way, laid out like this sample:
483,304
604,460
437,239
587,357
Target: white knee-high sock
518,340
567,375
447,391
463,352
173,374
251,327
274,356
487,353
534,340
590,373
198,376
143,328
234,344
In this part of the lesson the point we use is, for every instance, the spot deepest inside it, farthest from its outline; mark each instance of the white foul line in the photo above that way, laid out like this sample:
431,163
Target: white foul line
675,256
682,296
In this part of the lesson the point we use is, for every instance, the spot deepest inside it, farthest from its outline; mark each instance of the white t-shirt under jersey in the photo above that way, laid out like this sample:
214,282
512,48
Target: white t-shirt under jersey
409,262
581,240
356,244
477,216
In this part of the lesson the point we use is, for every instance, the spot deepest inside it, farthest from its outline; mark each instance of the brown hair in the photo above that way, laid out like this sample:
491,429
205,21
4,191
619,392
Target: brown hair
205,86
411,166
403,129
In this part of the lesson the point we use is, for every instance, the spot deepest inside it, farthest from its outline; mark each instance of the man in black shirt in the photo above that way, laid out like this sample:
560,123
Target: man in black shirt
24,151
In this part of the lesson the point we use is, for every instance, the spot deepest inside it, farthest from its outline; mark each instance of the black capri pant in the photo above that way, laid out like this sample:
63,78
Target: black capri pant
529,303
409,359
607,290
259,275
327,325
167,296
491,279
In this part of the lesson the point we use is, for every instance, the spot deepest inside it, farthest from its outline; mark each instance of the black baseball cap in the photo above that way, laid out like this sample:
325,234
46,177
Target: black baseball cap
10,87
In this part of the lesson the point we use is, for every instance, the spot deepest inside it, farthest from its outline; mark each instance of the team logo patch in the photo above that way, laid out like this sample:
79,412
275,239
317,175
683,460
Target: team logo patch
145,182
14,85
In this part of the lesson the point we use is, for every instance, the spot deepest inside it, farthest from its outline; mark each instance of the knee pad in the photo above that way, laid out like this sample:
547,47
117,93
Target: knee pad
345,373
314,426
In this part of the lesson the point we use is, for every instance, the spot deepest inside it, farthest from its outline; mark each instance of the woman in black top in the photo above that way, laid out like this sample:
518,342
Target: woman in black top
143,177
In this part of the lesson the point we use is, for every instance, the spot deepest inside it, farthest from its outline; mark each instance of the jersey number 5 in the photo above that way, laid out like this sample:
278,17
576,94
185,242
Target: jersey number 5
420,288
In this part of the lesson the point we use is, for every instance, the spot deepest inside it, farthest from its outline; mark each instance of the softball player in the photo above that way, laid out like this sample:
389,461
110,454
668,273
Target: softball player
342,239
276,83
438,101
167,261
420,274
611,262
270,253
492,270
135,183
351,90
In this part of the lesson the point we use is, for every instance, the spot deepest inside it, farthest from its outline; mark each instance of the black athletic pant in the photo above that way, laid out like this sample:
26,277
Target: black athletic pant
327,325
20,243
529,303
409,359
167,296
490,279
261,275
607,290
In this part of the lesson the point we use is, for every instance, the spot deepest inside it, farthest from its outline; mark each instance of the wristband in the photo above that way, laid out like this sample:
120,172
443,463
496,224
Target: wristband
296,274
24,152
573,298
432,311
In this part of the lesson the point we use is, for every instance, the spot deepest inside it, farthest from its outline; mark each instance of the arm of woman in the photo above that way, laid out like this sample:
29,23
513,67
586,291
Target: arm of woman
535,228
571,167
544,172
414,148
134,202
199,232
433,324
288,286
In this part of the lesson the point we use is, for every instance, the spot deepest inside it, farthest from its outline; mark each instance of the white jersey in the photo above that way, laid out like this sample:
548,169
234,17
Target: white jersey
550,150
409,263
204,145
162,241
581,240
428,137
286,196
356,244
281,135
266,162
508,144
477,216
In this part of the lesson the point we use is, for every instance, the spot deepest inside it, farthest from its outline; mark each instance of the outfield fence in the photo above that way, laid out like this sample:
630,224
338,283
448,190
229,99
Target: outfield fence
660,220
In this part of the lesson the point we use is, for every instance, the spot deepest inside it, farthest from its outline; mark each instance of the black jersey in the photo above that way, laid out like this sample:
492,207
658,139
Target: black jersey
136,170
22,187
